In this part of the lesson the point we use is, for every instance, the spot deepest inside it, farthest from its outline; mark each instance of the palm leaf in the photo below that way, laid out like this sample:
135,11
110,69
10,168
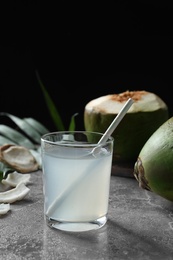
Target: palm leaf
36,125
51,106
13,136
9,135
25,127
4,140
72,125
31,130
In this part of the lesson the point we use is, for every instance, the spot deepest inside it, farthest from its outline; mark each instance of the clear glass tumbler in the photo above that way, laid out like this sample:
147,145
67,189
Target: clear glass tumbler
76,179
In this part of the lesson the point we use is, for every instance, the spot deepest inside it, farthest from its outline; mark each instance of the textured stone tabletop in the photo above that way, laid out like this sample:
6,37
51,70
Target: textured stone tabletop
140,226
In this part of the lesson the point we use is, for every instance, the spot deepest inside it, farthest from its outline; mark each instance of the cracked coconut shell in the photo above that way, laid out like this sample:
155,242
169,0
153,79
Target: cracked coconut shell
146,114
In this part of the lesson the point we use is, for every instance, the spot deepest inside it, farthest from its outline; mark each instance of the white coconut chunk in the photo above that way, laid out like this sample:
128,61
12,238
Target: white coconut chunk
15,194
15,178
4,187
4,208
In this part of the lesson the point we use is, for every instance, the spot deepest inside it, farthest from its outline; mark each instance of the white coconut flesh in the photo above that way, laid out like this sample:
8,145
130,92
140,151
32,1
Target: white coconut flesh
14,178
14,189
146,114
112,104
4,208
17,193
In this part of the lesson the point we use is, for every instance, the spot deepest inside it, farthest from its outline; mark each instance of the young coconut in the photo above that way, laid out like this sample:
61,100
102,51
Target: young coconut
146,114
154,166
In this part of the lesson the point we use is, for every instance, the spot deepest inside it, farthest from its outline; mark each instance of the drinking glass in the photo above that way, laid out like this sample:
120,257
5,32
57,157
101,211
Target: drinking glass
76,179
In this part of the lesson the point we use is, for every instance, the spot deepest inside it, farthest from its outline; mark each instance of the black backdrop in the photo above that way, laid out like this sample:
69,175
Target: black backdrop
82,50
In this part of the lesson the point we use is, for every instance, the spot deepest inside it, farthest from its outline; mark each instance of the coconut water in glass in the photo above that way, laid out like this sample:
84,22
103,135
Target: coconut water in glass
76,180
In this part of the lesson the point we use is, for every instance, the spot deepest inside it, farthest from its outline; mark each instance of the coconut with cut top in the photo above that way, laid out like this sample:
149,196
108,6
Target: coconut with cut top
145,115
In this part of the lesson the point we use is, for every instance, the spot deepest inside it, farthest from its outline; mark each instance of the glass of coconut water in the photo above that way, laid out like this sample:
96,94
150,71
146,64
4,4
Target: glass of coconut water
76,179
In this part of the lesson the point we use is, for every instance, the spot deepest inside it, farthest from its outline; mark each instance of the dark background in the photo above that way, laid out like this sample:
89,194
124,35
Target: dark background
82,50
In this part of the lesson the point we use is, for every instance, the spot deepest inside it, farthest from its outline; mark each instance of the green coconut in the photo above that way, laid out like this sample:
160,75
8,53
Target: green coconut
145,115
154,166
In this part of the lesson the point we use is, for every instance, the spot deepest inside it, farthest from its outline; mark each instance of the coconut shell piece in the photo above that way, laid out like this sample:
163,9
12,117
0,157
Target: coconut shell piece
15,194
14,178
18,158
4,208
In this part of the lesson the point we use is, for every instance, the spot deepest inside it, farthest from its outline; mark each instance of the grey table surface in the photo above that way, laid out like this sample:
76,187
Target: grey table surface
139,226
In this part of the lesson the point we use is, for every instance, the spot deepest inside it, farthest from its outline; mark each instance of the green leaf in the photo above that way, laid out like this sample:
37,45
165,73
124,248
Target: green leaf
25,127
4,140
37,125
4,170
72,125
51,106
13,136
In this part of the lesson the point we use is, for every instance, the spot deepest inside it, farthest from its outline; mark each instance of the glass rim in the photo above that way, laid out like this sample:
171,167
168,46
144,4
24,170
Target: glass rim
43,138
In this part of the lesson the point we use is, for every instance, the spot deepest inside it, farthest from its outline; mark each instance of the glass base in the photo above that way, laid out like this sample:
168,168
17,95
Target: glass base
77,226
